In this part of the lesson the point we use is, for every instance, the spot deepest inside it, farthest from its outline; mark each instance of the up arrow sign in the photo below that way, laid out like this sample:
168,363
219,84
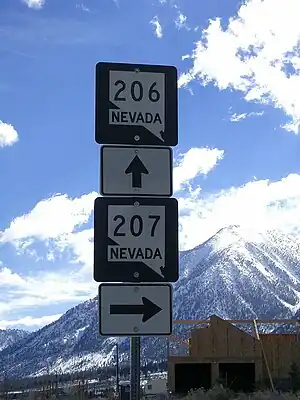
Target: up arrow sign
148,309
136,168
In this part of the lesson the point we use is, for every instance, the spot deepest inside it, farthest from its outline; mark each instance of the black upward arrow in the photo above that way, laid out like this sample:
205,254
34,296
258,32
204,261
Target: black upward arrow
136,168
148,309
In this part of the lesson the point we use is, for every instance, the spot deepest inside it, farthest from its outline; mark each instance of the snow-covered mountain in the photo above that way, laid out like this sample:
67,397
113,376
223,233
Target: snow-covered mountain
239,273
10,336
235,274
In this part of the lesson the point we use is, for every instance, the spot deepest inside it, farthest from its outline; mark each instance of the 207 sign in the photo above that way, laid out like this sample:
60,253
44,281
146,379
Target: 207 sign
136,104
136,225
135,240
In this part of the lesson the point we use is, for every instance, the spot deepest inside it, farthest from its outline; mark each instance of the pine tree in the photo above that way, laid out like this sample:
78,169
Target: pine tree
294,374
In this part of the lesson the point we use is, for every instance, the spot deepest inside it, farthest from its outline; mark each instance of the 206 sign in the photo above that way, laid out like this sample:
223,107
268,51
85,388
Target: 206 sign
136,91
136,104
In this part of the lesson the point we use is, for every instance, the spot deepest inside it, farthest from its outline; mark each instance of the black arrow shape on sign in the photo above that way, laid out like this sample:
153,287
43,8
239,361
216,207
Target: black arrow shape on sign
148,309
136,168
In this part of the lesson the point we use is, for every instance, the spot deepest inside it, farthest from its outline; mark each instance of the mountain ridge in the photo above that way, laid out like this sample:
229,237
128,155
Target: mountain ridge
10,336
235,274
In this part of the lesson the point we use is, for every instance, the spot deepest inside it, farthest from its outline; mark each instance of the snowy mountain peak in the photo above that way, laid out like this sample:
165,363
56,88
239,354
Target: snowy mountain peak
235,235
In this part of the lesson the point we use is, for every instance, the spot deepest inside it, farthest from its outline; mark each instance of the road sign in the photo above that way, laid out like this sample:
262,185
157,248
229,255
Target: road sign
139,171
135,310
136,104
135,239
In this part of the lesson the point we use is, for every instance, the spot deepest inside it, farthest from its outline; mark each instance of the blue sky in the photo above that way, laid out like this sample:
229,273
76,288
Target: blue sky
237,160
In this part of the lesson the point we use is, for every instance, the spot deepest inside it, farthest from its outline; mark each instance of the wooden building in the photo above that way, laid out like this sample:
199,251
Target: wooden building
222,352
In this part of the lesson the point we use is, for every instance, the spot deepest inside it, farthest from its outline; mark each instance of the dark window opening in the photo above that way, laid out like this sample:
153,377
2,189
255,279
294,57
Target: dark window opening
192,376
239,377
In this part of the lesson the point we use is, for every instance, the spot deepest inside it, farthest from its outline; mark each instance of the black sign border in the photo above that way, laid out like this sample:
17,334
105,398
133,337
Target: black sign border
104,193
124,134
105,271
130,333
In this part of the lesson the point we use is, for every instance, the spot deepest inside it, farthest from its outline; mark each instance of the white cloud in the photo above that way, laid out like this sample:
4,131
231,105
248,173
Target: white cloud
83,7
239,117
8,134
157,27
259,205
35,4
196,161
29,322
22,292
181,21
257,54
50,219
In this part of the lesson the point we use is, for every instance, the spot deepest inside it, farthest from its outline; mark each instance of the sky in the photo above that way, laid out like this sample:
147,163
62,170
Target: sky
237,161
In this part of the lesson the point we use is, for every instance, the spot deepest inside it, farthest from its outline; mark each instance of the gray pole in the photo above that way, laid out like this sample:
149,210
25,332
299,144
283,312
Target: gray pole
117,370
135,344
168,348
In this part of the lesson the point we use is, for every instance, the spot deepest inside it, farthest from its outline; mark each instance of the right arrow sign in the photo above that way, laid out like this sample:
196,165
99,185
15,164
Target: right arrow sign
135,309
148,309
140,171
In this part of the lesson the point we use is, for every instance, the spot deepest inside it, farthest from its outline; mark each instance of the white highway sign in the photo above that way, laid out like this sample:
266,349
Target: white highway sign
139,171
135,239
135,310
136,104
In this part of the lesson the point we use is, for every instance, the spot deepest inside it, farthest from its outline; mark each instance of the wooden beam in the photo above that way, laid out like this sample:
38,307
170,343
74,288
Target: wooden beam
236,321
264,354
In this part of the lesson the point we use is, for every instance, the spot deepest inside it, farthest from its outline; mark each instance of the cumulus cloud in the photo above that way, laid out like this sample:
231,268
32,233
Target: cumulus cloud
23,292
260,49
8,134
29,321
83,7
196,161
157,27
50,219
239,117
35,4
259,205
181,21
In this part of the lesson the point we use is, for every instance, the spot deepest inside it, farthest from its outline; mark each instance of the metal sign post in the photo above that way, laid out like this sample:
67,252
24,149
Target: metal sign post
136,221
135,364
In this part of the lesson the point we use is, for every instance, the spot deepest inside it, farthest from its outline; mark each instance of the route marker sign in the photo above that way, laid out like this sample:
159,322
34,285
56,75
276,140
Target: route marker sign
135,239
135,310
136,171
136,104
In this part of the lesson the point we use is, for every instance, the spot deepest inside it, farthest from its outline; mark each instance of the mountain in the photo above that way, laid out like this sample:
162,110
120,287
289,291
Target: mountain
11,336
241,273
235,274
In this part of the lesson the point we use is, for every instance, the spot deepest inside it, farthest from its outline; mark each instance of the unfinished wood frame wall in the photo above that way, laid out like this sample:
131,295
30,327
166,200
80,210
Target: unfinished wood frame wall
218,340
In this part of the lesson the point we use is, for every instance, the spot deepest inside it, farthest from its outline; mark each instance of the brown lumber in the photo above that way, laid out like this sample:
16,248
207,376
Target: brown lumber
264,354
236,321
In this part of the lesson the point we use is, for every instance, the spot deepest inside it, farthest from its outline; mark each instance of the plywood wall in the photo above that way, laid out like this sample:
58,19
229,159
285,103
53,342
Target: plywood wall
281,350
223,340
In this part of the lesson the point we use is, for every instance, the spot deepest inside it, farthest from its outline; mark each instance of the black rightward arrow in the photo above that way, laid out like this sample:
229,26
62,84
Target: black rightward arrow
136,168
148,309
